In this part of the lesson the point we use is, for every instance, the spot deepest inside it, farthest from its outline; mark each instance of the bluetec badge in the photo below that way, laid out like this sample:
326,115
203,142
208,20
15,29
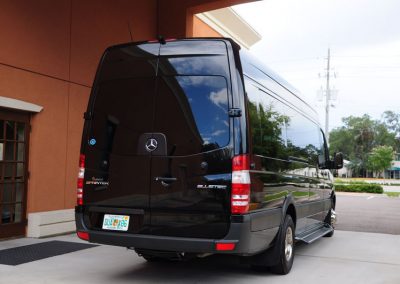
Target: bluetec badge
92,142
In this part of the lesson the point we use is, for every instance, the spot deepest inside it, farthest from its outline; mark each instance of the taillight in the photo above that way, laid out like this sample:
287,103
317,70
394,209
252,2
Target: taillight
81,175
240,193
83,235
224,246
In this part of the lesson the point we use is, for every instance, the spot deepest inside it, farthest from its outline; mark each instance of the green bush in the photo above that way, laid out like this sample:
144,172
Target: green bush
369,188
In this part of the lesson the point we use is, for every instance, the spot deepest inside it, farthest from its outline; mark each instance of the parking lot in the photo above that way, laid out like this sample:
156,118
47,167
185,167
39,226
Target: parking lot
375,213
347,257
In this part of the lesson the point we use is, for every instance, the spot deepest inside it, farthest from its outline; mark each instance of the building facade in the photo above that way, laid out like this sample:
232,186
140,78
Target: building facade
394,171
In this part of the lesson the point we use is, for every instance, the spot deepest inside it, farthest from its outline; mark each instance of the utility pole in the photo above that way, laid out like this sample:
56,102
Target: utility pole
327,94
328,97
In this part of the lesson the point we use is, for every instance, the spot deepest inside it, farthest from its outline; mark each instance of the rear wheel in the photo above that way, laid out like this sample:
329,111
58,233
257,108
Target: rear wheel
283,250
287,248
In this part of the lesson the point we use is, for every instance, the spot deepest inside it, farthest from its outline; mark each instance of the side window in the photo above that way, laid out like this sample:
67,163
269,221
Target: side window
303,138
279,131
324,153
267,123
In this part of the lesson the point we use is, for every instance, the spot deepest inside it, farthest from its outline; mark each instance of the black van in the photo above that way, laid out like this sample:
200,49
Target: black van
191,147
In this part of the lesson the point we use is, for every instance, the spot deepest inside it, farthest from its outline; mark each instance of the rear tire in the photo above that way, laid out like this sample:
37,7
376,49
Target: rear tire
284,250
287,248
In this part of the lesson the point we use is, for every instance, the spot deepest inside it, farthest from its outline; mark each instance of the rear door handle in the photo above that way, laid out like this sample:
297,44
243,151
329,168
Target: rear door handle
165,179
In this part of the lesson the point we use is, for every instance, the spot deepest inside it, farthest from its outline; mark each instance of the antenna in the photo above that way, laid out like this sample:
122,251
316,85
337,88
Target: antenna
161,39
130,32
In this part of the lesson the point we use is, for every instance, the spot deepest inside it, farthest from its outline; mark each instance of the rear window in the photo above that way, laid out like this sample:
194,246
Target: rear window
179,89
197,108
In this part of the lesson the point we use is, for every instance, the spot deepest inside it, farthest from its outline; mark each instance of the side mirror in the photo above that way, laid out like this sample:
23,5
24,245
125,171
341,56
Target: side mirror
338,161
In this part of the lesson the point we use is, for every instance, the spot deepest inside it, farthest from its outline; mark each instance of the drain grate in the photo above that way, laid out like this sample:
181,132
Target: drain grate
29,253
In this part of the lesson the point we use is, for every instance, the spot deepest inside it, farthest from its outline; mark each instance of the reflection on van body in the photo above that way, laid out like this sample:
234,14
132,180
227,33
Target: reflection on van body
200,150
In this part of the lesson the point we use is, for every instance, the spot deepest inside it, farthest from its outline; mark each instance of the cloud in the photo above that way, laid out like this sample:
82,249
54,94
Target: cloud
218,132
219,98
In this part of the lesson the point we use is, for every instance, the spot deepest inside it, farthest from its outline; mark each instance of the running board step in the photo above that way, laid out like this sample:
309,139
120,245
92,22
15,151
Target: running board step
314,235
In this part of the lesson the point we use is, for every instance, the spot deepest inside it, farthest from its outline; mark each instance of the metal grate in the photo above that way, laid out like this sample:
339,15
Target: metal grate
29,253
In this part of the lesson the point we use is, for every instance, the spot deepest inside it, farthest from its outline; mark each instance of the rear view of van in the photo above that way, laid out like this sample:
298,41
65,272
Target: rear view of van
166,156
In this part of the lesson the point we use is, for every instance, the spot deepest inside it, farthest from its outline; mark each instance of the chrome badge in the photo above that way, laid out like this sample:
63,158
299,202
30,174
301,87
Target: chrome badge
151,145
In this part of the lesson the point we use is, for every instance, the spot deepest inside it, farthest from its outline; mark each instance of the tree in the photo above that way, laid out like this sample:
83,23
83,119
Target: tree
392,122
356,139
380,159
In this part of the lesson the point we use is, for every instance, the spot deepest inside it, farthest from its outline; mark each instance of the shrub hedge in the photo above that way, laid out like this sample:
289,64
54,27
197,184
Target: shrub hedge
369,188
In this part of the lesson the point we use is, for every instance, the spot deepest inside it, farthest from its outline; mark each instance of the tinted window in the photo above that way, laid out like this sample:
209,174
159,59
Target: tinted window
267,123
273,83
302,136
192,98
278,131
123,106
130,61
183,94
192,111
208,100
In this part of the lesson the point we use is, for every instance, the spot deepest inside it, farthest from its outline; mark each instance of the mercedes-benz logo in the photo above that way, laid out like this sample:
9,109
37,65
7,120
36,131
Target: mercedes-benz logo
151,145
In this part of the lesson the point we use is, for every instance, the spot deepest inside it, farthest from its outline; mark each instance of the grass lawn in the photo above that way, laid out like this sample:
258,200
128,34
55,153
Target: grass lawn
393,194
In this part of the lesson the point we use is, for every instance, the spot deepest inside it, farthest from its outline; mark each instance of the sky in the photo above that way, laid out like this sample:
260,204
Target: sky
364,41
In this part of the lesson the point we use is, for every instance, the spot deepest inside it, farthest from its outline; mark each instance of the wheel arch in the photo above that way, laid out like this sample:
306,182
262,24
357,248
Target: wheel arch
333,198
289,208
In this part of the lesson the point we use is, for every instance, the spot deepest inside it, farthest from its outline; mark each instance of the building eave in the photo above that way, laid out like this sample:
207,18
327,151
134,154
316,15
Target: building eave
229,24
19,105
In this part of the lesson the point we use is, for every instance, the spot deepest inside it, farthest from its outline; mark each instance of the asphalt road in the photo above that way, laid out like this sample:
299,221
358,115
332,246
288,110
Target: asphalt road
375,213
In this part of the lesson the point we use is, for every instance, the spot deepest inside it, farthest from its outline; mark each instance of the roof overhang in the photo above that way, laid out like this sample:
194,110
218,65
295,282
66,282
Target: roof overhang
229,24
19,105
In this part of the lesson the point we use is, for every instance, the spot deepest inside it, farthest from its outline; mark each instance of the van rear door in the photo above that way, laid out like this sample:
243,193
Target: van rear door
117,174
190,181
159,139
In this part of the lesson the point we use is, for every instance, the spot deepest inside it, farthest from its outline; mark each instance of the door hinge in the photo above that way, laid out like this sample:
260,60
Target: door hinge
235,112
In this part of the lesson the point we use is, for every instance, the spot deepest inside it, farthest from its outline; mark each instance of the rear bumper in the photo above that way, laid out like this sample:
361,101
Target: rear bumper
246,240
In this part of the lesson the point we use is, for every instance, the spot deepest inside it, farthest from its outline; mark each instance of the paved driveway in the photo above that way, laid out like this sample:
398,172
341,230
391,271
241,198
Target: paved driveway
365,212
347,257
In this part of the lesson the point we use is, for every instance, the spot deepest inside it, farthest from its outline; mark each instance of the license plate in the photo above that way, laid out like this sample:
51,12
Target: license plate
115,222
